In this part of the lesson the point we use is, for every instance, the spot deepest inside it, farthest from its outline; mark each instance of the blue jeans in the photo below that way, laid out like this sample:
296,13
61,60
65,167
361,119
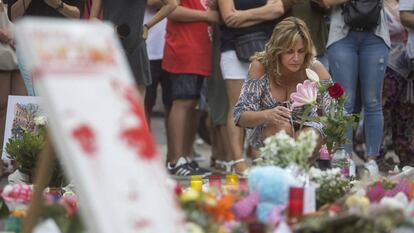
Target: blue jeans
361,59
28,82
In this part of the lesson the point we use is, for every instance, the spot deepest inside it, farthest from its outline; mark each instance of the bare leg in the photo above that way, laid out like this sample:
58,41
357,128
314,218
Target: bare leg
235,134
192,127
11,83
141,90
319,143
5,90
181,113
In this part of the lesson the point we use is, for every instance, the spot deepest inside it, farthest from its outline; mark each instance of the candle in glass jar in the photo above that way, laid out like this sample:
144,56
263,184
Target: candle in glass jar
232,179
196,183
295,203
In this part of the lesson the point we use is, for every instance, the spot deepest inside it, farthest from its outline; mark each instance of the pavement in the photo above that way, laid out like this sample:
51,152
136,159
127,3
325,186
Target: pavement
159,133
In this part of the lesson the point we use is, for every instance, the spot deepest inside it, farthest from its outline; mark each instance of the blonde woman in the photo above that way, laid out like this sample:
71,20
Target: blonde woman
264,102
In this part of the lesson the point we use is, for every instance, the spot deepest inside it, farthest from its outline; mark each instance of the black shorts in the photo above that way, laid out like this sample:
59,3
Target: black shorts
159,77
186,86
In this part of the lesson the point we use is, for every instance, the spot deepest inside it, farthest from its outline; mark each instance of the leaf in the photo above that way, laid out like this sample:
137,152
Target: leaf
4,210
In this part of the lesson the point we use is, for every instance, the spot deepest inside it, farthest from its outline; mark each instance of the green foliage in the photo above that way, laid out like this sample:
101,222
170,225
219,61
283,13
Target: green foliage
66,224
336,123
4,210
24,151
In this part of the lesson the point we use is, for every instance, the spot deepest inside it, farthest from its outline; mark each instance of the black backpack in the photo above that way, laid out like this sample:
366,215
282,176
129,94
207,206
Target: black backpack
362,15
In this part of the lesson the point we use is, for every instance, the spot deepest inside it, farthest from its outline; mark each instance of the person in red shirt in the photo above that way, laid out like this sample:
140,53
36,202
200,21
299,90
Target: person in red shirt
187,58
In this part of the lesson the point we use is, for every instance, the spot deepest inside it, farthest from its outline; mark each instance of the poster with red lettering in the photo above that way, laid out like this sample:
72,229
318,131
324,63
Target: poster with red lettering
98,126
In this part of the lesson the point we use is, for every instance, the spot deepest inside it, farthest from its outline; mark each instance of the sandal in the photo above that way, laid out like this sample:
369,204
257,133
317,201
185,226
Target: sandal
257,161
221,166
242,174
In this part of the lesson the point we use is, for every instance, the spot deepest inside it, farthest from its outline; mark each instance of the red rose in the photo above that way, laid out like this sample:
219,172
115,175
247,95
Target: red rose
336,91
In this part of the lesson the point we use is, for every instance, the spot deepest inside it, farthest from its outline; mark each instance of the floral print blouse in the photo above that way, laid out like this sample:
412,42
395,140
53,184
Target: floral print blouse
256,96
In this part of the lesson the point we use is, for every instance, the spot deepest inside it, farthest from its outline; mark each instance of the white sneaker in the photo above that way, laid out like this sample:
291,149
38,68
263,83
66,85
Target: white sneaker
372,167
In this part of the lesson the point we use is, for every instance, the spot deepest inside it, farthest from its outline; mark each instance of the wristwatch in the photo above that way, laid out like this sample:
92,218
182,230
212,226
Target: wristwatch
60,6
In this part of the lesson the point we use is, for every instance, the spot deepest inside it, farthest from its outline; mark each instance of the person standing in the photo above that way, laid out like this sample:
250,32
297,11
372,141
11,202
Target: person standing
11,82
406,120
359,55
187,58
128,18
243,18
45,8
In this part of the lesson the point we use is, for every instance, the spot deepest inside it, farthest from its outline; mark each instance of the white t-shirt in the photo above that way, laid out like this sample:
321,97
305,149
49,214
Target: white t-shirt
408,5
156,37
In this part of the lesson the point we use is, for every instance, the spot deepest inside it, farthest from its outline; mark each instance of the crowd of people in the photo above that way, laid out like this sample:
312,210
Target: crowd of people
250,55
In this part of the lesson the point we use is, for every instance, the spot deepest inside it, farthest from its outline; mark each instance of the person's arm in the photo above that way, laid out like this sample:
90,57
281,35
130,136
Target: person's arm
95,9
19,8
183,14
407,19
273,9
247,111
166,9
331,3
65,9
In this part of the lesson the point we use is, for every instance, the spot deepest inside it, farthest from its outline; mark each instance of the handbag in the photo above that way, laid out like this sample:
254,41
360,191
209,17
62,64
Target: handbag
8,59
362,15
248,44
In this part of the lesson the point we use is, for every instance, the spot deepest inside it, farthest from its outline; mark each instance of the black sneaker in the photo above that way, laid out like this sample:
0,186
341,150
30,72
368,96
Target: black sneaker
194,165
183,170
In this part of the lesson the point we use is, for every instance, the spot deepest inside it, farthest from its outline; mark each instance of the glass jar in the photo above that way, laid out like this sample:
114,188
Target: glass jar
341,159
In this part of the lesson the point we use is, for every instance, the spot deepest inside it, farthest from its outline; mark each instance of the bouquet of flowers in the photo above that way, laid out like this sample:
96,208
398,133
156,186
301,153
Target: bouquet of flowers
332,106
282,150
330,185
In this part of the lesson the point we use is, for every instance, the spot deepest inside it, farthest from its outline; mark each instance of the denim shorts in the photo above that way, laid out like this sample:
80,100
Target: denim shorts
186,86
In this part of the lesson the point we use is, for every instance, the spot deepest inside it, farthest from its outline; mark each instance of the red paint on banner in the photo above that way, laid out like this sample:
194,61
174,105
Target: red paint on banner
138,137
141,224
85,136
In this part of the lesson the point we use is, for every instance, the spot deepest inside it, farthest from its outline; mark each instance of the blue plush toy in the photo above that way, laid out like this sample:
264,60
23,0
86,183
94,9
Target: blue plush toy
272,183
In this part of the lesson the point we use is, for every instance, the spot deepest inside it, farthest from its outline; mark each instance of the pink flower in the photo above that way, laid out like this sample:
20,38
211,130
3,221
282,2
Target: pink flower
70,203
17,193
306,93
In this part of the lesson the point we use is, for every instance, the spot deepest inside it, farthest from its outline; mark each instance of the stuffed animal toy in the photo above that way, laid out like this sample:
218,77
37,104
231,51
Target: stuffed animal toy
269,190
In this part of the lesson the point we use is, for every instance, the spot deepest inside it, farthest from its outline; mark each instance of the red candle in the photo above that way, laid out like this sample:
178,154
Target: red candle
295,204
243,185
214,182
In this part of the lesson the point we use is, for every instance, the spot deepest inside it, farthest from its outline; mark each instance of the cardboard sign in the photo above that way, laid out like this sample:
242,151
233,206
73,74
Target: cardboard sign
21,111
98,126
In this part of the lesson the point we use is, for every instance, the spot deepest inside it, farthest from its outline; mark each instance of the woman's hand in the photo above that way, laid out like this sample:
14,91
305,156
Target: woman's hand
236,18
5,36
278,116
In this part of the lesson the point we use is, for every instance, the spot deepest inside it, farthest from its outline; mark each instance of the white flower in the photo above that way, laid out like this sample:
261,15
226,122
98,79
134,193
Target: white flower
399,201
40,120
312,75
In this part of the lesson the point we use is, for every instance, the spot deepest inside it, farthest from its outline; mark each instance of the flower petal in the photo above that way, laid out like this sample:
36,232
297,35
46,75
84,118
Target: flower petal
312,75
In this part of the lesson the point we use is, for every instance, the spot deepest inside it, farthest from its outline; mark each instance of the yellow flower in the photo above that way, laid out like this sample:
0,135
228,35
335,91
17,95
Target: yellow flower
358,203
190,195
193,228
